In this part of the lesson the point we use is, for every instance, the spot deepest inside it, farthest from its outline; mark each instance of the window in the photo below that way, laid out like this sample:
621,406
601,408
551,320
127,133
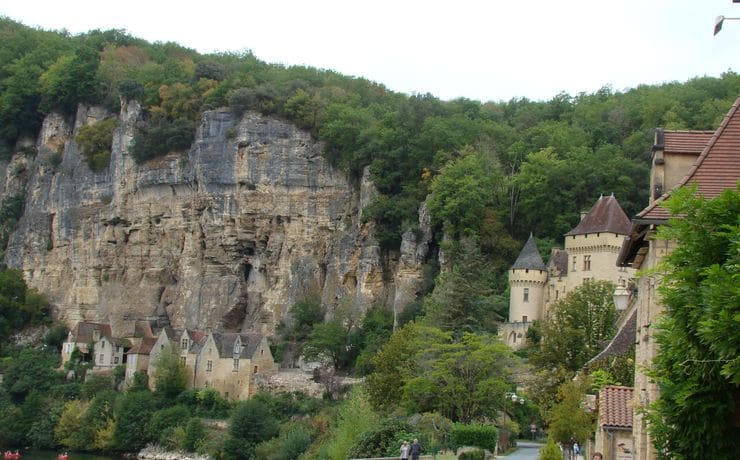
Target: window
184,343
182,360
102,345
524,318
209,366
262,352
526,294
255,369
68,348
586,263
115,360
574,263
237,347
101,358
236,365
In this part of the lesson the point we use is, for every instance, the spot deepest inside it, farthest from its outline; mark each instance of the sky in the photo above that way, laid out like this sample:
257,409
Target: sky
487,50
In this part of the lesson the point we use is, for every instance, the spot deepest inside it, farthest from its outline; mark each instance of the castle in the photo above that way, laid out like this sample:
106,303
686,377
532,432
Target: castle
590,254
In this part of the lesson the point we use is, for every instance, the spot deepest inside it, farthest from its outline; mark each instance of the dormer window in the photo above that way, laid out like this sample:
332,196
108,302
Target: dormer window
184,343
237,347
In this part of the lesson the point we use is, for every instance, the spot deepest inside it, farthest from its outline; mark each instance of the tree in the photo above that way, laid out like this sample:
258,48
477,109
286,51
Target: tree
170,374
577,327
133,415
250,424
30,370
568,420
463,379
697,366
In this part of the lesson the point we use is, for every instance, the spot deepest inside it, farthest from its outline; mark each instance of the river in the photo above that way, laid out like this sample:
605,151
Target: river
52,455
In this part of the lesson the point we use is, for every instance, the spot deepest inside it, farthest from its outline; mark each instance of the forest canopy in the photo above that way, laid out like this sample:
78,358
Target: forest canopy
537,163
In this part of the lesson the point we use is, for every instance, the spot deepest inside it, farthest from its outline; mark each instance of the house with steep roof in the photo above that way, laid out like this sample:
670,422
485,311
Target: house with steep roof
614,423
715,169
137,358
96,344
234,364
591,249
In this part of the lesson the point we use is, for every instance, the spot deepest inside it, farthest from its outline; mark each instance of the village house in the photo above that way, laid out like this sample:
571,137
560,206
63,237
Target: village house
96,344
711,162
234,364
590,254
614,423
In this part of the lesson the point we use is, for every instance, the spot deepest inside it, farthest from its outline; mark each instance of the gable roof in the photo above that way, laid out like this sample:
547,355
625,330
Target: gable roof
716,169
144,348
622,341
83,331
615,409
559,260
225,343
529,258
605,216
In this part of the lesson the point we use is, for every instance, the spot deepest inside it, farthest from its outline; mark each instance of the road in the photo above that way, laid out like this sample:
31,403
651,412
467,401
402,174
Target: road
525,451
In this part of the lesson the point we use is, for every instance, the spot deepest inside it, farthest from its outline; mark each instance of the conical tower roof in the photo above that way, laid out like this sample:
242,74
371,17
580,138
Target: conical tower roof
606,216
529,258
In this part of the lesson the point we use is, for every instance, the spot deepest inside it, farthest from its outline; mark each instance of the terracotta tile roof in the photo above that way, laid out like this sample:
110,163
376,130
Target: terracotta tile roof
529,257
615,407
716,169
606,216
685,141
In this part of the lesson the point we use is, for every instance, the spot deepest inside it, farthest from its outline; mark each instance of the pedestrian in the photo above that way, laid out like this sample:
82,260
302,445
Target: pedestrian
576,449
405,450
415,450
597,456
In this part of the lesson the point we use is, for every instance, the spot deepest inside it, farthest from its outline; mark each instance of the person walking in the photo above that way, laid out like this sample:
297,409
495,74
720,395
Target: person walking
405,450
415,450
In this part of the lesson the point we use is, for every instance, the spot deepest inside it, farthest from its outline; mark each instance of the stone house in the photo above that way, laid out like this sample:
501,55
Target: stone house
590,254
711,161
96,344
234,364
137,358
614,424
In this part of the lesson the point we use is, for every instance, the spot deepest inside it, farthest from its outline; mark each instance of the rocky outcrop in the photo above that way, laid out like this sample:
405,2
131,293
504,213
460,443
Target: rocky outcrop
227,235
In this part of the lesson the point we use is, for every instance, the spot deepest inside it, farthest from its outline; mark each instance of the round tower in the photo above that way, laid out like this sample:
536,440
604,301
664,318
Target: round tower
527,280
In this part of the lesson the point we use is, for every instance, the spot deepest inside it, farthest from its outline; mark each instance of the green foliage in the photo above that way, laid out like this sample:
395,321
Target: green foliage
619,368
134,412
383,440
56,336
306,313
95,141
165,420
170,375
162,138
477,454
355,416
568,418
577,327
195,434
698,362
250,424
30,370
463,299
11,209
375,329
294,440
550,451
95,384
205,402
475,435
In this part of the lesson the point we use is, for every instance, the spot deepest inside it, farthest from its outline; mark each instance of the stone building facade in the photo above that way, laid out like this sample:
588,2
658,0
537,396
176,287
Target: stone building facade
711,161
590,254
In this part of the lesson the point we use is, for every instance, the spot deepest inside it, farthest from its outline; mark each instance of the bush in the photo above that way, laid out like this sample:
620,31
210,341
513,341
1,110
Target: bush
384,440
95,140
551,451
474,434
478,454
165,137
163,421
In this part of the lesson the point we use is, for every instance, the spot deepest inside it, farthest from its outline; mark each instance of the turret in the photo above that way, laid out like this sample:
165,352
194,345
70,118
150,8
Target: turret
527,278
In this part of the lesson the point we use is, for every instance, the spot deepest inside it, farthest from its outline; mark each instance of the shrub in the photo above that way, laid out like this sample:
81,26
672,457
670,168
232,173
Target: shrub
478,454
383,440
95,140
474,434
551,451
164,137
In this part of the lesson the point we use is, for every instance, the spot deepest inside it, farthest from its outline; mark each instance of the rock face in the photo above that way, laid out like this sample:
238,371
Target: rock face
227,235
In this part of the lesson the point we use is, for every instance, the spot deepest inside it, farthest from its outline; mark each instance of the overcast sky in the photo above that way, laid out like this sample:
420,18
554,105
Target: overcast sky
483,49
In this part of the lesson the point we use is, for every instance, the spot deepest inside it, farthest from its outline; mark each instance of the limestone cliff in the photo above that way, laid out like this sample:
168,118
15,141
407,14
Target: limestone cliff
227,235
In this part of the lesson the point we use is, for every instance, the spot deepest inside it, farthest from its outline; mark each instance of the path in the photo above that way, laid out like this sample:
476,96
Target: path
525,451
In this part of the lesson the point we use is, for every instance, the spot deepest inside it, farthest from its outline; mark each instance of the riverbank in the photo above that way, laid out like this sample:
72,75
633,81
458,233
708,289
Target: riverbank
158,453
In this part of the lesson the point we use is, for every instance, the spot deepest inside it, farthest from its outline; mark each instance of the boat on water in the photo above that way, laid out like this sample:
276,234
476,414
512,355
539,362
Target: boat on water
8,455
63,456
